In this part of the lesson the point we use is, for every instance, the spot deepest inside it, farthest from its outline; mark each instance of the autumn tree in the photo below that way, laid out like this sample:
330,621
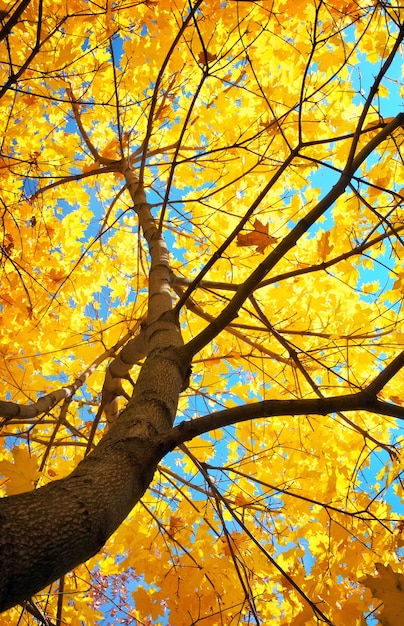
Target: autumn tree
201,312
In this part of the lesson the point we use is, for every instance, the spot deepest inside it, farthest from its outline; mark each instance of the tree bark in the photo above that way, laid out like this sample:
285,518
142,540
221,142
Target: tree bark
49,531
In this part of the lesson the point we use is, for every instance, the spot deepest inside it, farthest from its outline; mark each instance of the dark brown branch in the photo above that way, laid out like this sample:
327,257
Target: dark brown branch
14,77
217,255
385,375
6,30
231,310
159,78
360,401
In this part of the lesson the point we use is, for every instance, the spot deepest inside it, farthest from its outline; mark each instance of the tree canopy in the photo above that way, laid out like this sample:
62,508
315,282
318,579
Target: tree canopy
201,330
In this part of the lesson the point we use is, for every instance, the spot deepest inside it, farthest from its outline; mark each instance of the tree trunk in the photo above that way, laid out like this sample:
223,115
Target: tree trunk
49,531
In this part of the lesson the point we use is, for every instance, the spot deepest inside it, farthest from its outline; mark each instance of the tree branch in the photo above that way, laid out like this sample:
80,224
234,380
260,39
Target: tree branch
279,252
6,30
76,112
78,513
385,375
10,410
185,431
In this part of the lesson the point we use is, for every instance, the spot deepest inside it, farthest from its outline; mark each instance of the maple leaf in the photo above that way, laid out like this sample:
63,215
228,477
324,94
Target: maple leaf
231,543
89,167
56,276
176,523
258,237
388,587
7,298
323,246
20,474
240,500
303,617
204,57
8,244
400,534
260,119
399,282
111,150
397,400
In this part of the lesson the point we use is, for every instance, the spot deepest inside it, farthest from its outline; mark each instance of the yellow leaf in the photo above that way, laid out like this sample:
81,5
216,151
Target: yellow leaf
383,92
21,474
388,587
304,616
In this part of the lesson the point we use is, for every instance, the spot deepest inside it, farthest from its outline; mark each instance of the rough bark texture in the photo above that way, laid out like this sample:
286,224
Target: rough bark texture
49,531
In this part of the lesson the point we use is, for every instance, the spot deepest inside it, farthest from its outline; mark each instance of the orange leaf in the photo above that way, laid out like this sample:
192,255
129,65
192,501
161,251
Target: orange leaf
91,166
6,298
111,150
176,523
323,246
56,277
231,543
258,237
240,500
204,57
397,400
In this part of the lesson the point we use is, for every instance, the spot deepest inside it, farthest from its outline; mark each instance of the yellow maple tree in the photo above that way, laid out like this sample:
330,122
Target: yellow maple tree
201,330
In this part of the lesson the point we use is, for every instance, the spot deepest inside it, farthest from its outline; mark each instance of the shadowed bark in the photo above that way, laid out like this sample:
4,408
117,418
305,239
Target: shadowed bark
48,531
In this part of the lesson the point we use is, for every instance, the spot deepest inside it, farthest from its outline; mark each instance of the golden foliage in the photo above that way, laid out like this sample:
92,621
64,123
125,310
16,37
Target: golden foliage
220,106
